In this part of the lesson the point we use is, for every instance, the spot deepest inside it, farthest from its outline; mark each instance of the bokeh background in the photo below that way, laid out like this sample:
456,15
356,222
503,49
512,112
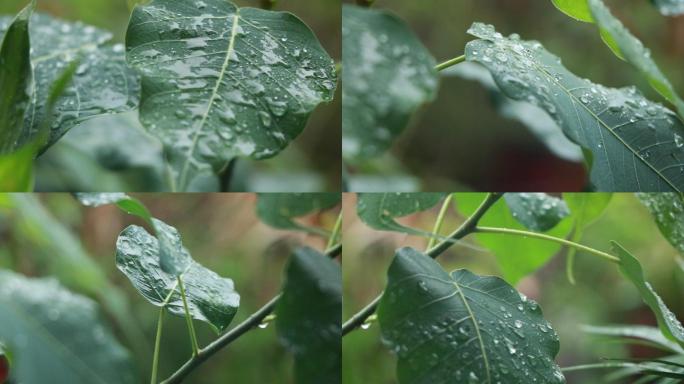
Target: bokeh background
601,295
459,141
312,162
53,235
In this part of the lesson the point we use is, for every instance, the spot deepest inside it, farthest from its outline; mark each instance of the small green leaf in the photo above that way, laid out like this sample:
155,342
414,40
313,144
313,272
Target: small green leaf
463,328
15,77
16,169
211,298
651,335
123,201
667,210
279,209
635,144
577,9
221,81
631,269
387,74
517,256
57,336
308,316
537,211
378,210
670,7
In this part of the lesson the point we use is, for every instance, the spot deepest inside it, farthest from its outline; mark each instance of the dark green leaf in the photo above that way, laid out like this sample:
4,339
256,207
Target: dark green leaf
57,336
667,322
308,316
15,77
636,144
279,209
668,211
378,210
517,256
640,332
387,74
463,328
211,298
537,211
220,82
670,7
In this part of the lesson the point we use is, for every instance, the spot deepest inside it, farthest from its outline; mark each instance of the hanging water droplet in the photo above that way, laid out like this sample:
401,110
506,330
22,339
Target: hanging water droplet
263,325
678,141
365,326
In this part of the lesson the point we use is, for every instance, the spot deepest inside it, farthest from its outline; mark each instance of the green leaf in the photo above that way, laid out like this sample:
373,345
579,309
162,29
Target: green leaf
631,269
387,75
16,169
635,144
667,210
308,316
15,77
102,83
537,211
123,201
461,327
57,336
577,9
651,335
279,209
670,7
220,82
517,256
211,298
378,210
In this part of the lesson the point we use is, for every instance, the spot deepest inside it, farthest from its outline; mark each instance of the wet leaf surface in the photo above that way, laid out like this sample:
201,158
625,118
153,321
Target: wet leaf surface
537,211
667,210
379,210
280,209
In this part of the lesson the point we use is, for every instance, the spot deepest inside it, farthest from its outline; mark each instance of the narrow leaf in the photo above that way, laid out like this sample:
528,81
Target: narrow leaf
387,75
221,81
378,210
537,211
463,328
57,336
641,332
635,144
667,210
279,209
308,316
211,298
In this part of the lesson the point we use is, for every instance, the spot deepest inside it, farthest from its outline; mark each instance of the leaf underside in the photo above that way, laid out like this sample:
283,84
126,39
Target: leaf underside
537,211
378,210
279,209
636,144
220,81
463,328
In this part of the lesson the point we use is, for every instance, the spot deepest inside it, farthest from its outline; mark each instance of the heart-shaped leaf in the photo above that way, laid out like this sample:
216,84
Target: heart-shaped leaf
101,84
635,144
211,298
378,210
537,211
667,210
279,209
387,74
308,316
57,336
630,267
221,81
463,328
670,7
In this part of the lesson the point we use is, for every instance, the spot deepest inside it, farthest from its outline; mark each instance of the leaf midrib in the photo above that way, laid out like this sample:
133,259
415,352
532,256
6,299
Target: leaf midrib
477,330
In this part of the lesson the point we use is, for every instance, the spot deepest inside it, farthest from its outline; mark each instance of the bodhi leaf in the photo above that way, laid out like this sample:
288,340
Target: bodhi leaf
463,328
378,210
387,75
670,7
279,209
221,81
668,211
211,298
308,316
635,144
101,84
57,336
537,211
517,256
667,322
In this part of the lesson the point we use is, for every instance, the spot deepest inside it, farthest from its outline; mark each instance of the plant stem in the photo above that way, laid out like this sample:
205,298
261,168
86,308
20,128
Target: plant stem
542,236
466,228
252,321
335,232
157,343
450,63
188,318
440,221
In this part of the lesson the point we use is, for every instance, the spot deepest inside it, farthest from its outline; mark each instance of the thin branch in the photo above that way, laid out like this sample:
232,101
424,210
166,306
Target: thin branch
335,232
188,318
450,63
440,221
157,344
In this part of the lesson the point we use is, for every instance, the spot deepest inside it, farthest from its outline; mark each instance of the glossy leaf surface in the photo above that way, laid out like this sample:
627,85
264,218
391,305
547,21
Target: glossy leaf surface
308,316
636,144
668,211
221,81
211,298
387,75
537,211
280,209
379,210
463,328
57,336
